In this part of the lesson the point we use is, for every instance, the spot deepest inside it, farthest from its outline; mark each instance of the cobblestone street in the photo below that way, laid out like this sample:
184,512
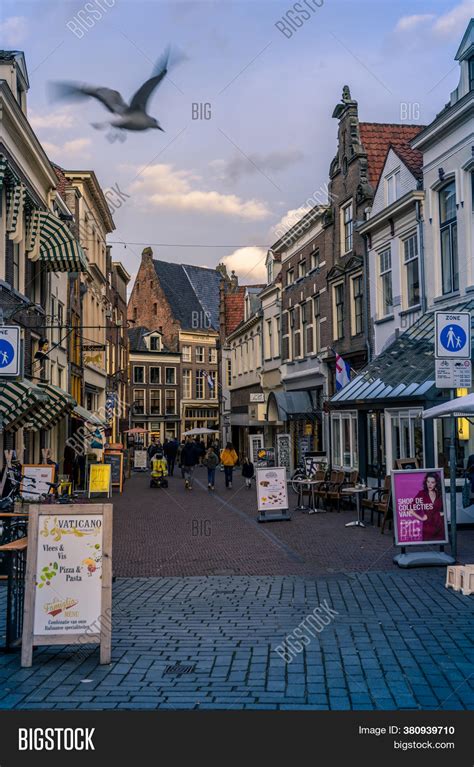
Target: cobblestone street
204,595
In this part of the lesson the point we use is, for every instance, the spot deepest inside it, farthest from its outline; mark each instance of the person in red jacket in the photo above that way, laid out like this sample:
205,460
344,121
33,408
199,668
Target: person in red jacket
431,511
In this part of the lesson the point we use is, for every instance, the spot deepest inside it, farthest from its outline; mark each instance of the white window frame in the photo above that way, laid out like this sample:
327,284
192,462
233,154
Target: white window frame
187,353
159,400
200,354
337,444
335,335
412,414
173,392
137,367
212,355
392,186
406,261
347,222
188,390
170,383
384,266
135,392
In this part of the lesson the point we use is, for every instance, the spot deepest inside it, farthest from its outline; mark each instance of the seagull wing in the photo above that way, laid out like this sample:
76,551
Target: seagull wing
112,100
140,98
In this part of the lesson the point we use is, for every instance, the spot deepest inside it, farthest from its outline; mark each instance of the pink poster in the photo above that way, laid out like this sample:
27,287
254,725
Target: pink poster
419,507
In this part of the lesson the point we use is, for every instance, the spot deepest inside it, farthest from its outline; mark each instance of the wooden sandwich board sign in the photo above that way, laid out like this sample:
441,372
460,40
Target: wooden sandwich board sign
68,584
100,478
116,463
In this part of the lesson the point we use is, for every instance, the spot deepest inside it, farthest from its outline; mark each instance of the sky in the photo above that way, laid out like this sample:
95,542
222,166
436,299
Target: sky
246,107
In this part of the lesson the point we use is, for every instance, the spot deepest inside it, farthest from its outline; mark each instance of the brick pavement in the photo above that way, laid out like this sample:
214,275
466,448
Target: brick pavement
204,594
399,640
174,532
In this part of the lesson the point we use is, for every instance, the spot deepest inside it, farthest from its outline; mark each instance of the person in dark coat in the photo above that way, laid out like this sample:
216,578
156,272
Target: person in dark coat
248,472
190,455
171,450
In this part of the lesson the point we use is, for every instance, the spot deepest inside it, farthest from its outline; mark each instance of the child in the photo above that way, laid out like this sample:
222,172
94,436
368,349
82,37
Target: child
211,460
247,472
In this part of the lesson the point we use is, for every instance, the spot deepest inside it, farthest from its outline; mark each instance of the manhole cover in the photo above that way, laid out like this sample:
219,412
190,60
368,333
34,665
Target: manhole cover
179,668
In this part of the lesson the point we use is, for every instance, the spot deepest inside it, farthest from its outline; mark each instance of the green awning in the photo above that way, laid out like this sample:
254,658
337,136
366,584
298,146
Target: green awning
59,404
18,399
90,418
59,250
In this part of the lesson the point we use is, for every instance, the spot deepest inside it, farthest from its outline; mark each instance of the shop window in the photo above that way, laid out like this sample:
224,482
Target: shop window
344,440
404,435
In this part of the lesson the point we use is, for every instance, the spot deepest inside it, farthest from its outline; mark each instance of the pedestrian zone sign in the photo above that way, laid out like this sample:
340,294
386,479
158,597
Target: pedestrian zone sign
453,335
9,350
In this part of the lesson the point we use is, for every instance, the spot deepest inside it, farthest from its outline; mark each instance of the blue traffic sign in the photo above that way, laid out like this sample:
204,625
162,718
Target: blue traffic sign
453,338
7,353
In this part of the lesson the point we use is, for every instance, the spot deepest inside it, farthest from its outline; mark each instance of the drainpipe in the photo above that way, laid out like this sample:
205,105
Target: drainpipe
367,298
419,221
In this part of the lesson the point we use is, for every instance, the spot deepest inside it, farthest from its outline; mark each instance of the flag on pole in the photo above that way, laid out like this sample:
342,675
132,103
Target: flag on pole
210,378
343,373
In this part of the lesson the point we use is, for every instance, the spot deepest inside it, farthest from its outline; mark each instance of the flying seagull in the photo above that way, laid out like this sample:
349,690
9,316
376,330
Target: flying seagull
133,116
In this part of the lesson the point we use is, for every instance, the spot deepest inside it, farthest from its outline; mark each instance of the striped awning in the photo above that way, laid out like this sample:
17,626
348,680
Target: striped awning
59,250
18,400
91,419
59,404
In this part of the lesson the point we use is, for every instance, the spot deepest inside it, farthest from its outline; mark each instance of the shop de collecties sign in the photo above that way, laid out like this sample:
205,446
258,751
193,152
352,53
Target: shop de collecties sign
419,507
68,578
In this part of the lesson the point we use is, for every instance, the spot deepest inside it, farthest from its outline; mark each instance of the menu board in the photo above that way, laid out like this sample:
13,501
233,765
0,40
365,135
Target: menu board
68,574
115,460
140,459
272,490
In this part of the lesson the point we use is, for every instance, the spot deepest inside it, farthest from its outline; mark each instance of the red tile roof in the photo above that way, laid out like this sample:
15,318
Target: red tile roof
62,180
376,139
412,158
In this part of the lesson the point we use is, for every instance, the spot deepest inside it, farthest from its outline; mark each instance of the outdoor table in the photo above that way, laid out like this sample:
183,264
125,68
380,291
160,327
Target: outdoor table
311,483
357,492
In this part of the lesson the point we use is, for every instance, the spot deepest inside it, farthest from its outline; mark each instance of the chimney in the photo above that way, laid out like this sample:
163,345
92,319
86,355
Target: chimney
147,255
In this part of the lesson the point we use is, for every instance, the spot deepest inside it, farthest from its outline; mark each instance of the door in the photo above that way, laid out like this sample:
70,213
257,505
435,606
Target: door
284,451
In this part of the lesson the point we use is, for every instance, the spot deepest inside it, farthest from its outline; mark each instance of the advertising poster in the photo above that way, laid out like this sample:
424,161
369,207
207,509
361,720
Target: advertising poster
99,478
272,490
35,482
419,507
68,579
140,459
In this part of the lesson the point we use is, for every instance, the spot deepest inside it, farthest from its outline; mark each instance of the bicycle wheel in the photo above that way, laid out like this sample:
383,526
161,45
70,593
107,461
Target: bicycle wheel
297,474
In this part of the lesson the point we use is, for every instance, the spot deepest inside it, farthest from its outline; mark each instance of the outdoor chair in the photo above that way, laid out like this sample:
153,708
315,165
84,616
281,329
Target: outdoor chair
309,490
379,504
332,495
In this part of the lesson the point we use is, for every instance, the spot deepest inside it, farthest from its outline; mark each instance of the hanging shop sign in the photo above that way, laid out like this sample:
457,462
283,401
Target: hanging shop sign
419,507
68,582
100,479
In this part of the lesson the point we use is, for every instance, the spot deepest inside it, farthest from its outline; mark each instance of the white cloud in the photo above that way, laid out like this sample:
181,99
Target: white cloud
163,186
453,23
288,220
248,264
448,25
59,119
407,23
13,30
75,148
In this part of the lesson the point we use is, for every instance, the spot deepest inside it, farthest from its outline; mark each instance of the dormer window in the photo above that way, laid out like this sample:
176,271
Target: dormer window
270,270
155,343
392,187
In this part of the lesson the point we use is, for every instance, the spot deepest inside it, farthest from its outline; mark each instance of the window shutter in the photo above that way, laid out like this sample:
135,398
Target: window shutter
284,324
285,348
297,345
309,339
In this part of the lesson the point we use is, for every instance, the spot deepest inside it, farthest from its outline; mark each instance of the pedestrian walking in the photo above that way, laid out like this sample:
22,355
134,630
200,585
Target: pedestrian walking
171,450
152,448
229,458
248,472
189,459
211,461
178,457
